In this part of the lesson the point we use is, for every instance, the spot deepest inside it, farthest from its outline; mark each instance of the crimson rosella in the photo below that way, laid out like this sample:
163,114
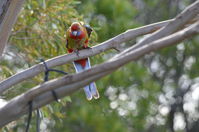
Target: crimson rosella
77,37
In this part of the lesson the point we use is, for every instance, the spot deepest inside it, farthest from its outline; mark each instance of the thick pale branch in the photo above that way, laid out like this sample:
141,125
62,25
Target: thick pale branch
109,44
174,25
18,106
60,60
8,17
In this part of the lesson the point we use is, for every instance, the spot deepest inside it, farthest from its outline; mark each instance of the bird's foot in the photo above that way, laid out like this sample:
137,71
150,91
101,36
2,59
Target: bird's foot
88,48
77,52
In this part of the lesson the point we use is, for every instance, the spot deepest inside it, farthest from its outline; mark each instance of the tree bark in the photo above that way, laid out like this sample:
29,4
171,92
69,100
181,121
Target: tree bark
9,10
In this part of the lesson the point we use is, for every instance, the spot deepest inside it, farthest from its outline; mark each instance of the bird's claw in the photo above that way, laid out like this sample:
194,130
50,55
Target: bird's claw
77,52
88,48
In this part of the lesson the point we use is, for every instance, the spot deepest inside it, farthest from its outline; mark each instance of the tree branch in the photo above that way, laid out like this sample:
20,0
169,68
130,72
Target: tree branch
63,59
109,44
40,95
9,12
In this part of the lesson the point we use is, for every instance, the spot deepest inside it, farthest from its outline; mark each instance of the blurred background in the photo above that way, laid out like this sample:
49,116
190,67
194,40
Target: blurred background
158,93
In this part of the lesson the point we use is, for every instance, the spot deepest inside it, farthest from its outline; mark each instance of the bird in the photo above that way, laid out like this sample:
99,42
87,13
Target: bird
77,38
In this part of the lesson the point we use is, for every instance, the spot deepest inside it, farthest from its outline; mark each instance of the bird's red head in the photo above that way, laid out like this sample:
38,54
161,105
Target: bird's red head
75,26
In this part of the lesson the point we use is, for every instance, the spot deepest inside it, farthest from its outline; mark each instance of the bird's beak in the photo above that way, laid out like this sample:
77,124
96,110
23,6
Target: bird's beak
74,33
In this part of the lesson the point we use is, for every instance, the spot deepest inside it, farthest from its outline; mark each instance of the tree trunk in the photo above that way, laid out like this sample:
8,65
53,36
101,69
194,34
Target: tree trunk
9,10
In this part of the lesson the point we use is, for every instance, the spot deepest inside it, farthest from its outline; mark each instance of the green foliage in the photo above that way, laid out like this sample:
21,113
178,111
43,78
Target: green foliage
109,17
130,96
